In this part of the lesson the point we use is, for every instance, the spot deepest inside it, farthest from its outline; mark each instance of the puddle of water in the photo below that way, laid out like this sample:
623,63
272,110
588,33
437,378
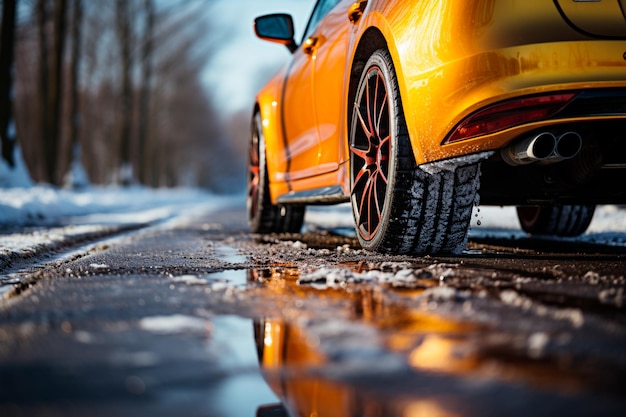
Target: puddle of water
294,368
242,393
230,278
229,254
237,388
430,347
443,373
235,277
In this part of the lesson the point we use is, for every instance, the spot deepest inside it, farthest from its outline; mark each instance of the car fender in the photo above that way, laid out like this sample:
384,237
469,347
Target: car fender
455,57
374,18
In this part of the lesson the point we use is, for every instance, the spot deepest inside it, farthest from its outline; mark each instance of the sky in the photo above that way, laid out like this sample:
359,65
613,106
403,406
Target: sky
242,66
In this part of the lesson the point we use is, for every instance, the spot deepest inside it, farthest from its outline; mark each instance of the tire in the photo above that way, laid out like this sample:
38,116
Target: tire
263,216
561,220
399,207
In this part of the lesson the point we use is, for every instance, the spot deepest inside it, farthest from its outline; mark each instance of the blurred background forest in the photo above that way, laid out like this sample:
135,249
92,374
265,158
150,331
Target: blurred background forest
118,88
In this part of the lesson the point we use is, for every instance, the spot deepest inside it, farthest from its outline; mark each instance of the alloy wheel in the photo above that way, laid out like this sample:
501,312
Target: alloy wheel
371,150
254,177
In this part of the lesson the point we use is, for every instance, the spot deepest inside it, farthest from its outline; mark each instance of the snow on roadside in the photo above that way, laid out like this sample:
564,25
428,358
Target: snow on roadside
607,227
34,220
44,205
27,245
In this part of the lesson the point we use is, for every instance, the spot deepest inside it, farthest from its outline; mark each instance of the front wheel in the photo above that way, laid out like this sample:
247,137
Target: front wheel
263,216
562,220
399,207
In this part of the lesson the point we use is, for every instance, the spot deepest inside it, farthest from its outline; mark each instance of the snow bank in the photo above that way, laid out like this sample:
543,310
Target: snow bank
17,176
40,219
45,205
607,227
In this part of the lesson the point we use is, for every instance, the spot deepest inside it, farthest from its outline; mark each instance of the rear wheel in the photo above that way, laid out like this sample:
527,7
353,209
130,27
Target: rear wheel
562,220
263,216
399,207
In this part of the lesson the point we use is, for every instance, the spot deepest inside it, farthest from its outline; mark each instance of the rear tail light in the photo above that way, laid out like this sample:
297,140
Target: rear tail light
509,114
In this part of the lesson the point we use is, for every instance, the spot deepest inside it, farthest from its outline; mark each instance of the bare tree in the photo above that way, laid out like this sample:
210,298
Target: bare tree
123,19
42,23
74,150
7,47
99,101
144,100
134,78
52,85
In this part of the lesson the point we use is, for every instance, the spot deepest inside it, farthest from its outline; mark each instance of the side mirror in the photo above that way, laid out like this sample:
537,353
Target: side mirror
276,28
274,410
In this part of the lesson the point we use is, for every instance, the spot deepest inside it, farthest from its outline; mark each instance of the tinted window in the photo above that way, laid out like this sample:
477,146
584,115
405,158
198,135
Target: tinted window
321,9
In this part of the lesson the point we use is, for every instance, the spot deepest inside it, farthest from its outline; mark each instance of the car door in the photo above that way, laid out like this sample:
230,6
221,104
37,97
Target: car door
331,38
299,110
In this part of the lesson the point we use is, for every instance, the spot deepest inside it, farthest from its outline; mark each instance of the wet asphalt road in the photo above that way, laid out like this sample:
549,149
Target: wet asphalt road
174,320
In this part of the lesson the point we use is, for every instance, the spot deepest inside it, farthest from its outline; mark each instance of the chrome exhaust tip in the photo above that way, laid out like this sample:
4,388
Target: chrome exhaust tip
568,145
533,149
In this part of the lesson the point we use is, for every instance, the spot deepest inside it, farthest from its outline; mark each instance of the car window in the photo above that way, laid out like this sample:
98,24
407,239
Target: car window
321,9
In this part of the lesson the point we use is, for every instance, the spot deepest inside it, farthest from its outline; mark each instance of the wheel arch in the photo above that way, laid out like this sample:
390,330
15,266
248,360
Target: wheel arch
371,40
377,35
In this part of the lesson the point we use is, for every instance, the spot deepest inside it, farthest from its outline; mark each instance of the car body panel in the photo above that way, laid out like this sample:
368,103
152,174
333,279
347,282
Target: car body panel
452,58
331,60
299,110
470,66
600,18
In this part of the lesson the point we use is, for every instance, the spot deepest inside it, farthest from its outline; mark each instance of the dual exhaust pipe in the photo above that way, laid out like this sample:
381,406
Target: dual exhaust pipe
543,147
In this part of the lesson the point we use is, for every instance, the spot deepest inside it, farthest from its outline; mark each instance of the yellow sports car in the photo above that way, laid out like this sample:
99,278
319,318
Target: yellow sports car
406,108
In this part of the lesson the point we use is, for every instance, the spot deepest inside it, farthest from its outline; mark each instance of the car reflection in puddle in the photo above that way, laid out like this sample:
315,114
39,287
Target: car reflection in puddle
290,367
378,358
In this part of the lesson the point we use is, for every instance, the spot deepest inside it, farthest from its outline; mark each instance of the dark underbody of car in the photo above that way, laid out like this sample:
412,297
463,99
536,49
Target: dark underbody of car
595,175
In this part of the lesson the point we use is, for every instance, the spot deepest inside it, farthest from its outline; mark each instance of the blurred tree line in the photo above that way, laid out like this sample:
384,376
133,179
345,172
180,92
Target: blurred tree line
116,85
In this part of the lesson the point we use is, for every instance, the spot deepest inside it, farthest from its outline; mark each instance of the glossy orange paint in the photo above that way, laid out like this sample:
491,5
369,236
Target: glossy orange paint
452,58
